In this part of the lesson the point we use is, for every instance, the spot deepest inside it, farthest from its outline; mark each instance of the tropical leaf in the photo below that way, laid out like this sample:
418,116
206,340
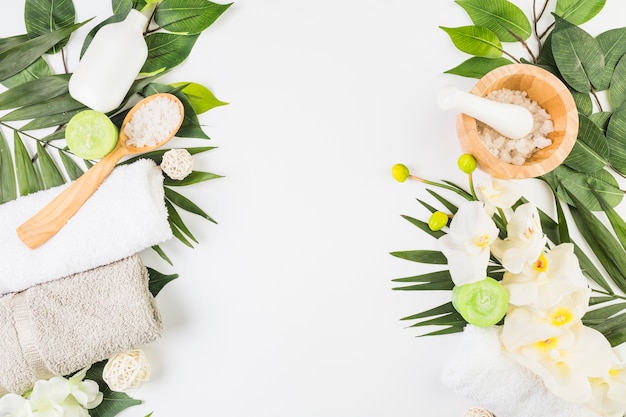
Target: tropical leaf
566,182
45,16
201,98
157,156
166,50
424,227
188,16
583,103
61,104
617,90
422,256
195,177
578,11
52,120
39,68
475,40
617,222
27,177
34,91
186,204
12,41
71,167
177,222
477,67
502,17
440,280
601,119
578,56
616,139
444,315
8,187
50,173
21,56
591,150
614,329
158,280
613,46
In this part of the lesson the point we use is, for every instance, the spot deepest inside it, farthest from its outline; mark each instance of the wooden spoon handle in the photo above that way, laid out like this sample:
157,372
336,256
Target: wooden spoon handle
51,218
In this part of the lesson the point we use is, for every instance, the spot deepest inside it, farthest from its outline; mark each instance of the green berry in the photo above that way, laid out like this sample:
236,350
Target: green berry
482,303
467,163
400,172
438,220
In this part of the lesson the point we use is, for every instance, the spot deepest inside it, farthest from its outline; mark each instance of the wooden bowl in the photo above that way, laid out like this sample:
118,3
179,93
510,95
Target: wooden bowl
551,94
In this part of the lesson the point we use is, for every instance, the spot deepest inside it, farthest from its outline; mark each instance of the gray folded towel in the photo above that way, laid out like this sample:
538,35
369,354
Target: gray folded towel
62,326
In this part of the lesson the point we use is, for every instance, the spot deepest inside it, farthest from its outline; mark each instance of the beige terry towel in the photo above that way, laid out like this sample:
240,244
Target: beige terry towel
61,326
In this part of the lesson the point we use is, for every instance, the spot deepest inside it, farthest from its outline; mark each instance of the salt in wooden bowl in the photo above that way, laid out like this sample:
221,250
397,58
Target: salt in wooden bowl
551,94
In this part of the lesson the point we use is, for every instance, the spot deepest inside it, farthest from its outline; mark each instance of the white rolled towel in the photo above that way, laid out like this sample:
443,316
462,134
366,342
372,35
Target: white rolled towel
482,372
126,215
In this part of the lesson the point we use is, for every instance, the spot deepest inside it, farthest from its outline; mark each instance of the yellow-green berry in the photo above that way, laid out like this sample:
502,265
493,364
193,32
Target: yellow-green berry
438,220
400,172
467,163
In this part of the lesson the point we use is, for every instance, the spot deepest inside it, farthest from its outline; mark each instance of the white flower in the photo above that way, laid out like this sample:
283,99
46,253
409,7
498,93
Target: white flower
554,274
466,245
497,193
565,357
13,405
84,391
609,392
48,397
525,239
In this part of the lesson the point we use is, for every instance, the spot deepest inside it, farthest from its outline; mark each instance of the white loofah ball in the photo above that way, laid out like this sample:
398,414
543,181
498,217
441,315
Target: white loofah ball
127,370
177,163
477,412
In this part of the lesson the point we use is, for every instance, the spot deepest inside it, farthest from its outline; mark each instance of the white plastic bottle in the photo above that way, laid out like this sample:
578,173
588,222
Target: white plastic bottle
111,63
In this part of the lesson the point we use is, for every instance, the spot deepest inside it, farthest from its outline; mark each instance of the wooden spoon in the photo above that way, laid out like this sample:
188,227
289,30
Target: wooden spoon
51,218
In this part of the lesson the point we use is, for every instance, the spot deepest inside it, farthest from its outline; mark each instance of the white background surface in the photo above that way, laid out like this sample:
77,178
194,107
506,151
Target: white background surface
285,308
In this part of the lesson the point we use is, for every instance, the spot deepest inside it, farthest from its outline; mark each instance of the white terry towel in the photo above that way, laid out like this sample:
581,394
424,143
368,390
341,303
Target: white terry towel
482,372
126,215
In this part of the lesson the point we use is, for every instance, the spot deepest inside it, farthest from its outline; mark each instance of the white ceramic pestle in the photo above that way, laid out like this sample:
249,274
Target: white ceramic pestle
510,120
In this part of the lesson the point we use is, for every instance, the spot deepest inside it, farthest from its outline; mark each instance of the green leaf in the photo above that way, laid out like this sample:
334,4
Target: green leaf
60,104
201,98
578,56
600,314
27,178
591,150
616,138
49,171
51,120
34,91
578,11
71,167
616,221
113,402
158,280
477,67
37,69
583,102
8,187
566,182
440,280
45,16
614,329
601,119
12,41
195,177
186,204
188,16
157,156
603,244
166,50
177,222
475,40
502,17
617,90
162,254
613,46
422,256
21,56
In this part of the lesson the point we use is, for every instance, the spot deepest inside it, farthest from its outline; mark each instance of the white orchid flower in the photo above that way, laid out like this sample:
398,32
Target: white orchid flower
565,357
555,274
524,242
13,405
466,245
497,193
84,391
608,396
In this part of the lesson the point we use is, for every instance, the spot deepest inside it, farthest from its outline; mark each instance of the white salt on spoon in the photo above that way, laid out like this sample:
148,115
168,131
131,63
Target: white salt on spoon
510,120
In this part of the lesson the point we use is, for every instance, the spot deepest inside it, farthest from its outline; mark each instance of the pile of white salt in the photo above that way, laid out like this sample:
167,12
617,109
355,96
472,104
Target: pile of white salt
517,151
153,122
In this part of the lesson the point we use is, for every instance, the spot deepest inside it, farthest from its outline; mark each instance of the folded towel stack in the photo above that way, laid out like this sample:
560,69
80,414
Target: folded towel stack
126,215
61,326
